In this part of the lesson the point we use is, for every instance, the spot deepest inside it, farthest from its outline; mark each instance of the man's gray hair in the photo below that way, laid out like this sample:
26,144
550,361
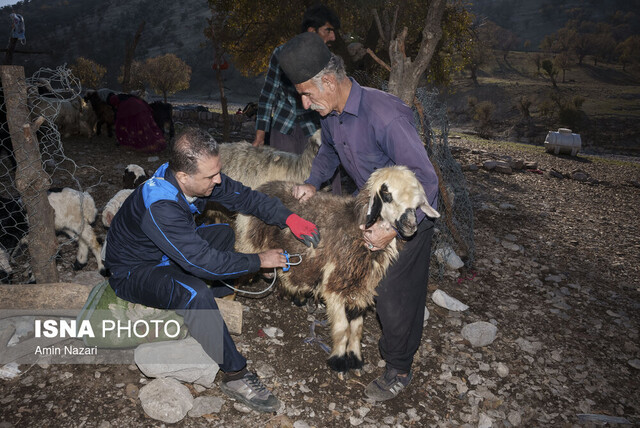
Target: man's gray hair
190,146
335,66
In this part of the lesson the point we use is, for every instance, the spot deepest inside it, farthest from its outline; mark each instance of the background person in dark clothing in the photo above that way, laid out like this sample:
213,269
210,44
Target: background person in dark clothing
364,129
135,126
280,112
158,257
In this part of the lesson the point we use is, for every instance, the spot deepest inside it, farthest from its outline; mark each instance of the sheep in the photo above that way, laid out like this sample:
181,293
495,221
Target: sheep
6,272
253,166
75,212
72,117
13,228
103,111
134,175
114,204
341,271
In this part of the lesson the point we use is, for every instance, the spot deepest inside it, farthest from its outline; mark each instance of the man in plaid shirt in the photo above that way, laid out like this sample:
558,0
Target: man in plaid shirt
280,110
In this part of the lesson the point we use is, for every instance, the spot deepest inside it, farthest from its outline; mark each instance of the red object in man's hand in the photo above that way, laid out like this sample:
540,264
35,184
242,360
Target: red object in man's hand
304,230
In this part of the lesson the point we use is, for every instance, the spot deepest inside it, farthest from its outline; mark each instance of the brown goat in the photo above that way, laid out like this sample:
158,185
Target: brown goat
341,271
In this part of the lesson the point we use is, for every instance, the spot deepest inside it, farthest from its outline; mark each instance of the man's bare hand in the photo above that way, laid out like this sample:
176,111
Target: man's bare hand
273,258
303,192
259,140
378,236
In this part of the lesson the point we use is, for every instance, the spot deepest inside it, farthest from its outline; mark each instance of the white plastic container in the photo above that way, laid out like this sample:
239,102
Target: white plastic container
563,141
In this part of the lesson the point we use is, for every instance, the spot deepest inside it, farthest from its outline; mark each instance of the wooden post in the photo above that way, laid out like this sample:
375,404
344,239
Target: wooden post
31,181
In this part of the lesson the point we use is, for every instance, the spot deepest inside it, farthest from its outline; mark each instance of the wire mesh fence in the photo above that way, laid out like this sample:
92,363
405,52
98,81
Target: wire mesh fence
50,102
455,227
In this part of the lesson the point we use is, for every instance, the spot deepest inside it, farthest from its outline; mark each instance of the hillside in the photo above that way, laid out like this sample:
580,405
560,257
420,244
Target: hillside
533,19
100,30
608,116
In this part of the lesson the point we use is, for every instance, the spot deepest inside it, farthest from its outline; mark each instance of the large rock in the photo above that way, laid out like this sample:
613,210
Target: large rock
448,257
442,299
206,405
184,360
166,400
480,333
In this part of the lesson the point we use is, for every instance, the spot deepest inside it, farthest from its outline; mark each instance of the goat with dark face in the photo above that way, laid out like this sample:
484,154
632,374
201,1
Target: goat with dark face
104,112
163,116
341,270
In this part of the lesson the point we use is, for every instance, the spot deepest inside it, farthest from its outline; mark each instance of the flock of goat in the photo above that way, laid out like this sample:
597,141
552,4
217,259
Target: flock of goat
341,272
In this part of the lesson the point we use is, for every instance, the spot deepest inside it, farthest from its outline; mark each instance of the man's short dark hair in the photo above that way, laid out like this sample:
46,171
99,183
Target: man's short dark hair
318,15
190,146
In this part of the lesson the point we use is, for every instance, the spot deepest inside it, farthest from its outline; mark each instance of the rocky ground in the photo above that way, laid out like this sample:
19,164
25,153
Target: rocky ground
556,271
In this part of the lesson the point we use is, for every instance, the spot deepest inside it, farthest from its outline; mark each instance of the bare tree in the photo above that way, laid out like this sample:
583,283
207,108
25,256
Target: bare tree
128,59
406,73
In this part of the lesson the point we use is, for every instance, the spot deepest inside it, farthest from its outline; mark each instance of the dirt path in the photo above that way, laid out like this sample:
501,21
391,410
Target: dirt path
557,272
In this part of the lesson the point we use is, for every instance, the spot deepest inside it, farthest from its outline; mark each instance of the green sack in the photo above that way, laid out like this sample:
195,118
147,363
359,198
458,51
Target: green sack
134,323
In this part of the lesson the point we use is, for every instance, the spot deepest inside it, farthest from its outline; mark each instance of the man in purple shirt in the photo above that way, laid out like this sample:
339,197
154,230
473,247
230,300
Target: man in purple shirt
365,129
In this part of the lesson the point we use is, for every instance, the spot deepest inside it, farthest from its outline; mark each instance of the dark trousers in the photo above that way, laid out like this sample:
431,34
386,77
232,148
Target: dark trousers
401,300
295,143
168,286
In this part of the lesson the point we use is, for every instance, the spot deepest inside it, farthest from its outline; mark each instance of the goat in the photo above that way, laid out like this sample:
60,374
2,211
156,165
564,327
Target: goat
163,116
13,227
341,271
72,117
74,213
134,175
253,166
104,112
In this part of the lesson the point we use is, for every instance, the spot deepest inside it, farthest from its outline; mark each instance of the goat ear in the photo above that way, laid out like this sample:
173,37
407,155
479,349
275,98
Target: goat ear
428,209
375,206
385,194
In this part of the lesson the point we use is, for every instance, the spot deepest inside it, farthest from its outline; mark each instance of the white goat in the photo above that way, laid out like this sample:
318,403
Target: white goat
341,271
73,117
75,212
133,176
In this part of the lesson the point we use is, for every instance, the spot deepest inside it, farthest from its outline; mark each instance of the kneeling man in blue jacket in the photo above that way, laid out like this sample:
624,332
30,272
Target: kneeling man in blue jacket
158,257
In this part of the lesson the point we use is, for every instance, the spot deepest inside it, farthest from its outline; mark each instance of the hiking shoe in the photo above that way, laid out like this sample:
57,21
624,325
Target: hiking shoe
387,386
252,392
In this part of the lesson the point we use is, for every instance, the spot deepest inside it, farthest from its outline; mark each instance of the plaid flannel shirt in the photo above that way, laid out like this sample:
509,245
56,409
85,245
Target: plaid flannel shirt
280,106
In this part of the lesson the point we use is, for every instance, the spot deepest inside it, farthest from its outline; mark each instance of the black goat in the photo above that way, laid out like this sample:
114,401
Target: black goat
104,112
163,116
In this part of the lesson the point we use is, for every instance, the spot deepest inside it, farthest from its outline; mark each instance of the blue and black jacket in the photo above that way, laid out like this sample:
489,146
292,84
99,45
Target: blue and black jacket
156,224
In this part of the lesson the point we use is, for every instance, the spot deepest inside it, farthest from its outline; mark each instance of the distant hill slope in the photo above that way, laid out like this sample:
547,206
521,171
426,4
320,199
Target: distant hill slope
100,30
533,19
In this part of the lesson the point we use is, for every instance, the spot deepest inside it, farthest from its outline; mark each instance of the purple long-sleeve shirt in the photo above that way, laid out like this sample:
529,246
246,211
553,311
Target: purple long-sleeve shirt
374,130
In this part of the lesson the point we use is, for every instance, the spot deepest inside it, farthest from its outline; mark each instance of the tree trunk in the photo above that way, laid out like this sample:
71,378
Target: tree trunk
31,181
128,59
405,75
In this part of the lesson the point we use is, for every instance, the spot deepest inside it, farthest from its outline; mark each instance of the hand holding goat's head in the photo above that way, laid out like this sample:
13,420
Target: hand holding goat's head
396,194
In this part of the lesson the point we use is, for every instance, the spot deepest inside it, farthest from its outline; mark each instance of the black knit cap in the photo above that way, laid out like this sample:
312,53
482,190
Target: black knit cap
303,57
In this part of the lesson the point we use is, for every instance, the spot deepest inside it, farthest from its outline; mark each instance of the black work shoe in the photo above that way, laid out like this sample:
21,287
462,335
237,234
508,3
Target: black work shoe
388,385
252,392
